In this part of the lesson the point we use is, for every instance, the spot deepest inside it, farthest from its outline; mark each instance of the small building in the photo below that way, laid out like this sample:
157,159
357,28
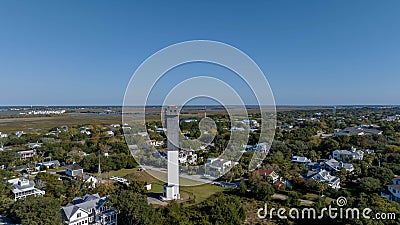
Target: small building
49,164
19,133
73,170
26,154
35,145
90,180
91,209
187,157
262,147
300,160
23,188
3,135
147,187
110,133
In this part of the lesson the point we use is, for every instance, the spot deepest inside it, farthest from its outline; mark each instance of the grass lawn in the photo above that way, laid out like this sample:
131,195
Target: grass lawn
122,172
9,125
310,196
202,192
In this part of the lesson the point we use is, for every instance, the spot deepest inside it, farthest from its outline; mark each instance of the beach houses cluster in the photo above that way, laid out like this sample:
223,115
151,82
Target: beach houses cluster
359,130
324,170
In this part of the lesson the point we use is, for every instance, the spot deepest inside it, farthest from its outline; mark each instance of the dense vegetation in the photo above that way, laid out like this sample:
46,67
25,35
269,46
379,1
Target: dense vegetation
360,187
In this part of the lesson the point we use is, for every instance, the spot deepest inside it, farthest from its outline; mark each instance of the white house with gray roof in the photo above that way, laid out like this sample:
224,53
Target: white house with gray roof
300,159
73,170
23,188
393,191
91,209
348,155
325,177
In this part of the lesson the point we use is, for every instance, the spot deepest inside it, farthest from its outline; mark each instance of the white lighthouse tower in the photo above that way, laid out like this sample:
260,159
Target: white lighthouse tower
171,189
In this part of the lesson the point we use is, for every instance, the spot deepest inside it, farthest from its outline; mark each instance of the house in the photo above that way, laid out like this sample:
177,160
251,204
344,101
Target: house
21,188
310,174
110,133
251,123
187,157
21,168
147,187
19,133
268,174
300,160
3,135
160,129
317,166
91,209
262,147
189,120
73,170
48,164
90,180
369,151
393,191
35,145
85,130
348,155
360,131
325,177
216,166
26,154
333,166
286,126
237,129
6,221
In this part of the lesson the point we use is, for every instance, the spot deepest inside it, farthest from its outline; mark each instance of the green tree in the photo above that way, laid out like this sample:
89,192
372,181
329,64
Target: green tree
263,191
226,210
370,184
242,187
36,211
133,209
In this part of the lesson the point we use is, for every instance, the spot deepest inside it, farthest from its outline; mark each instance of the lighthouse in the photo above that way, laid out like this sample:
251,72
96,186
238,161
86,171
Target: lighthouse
171,188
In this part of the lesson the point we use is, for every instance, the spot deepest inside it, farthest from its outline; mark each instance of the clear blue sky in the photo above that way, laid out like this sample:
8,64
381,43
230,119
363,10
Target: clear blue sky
312,52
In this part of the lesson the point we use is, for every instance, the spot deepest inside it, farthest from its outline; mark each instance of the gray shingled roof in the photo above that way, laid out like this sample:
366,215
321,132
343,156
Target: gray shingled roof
73,167
85,203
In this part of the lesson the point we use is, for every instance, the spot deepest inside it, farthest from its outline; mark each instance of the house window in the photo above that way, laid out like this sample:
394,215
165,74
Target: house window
78,215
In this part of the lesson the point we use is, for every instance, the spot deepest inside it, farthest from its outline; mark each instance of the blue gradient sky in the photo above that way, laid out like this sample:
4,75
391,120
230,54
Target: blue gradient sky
312,52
